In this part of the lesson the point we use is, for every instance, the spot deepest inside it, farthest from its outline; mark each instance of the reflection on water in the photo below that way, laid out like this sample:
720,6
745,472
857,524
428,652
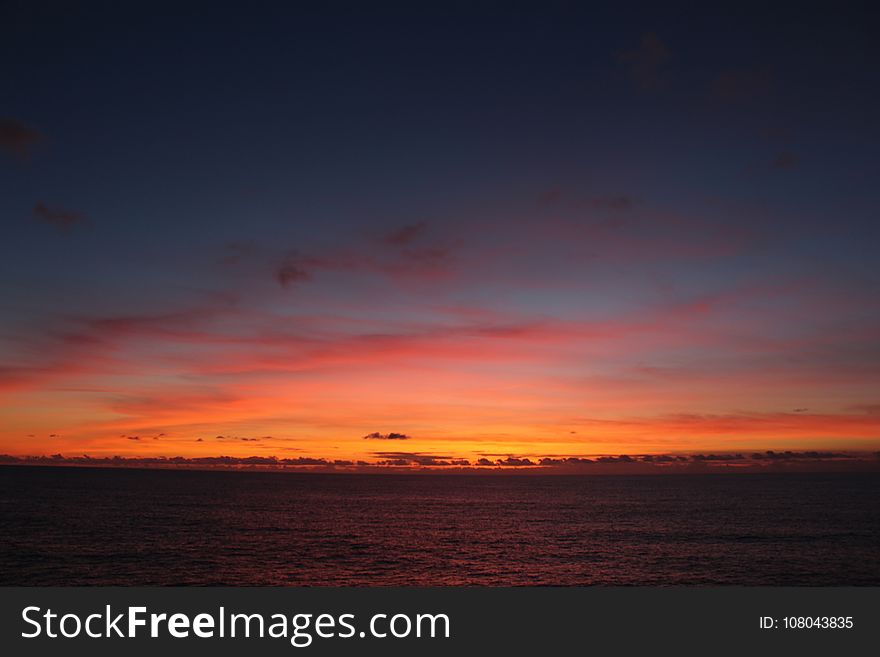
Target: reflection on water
139,527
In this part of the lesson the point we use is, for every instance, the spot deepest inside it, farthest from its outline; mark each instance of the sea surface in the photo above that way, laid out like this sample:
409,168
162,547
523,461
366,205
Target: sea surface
76,526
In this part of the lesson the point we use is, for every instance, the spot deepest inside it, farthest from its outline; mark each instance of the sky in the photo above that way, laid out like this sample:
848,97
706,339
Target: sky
439,234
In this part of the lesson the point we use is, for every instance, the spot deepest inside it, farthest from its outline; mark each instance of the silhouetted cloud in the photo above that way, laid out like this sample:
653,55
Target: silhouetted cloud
386,436
770,455
568,460
18,139
58,217
658,458
512,461
645,63
807,461
304,460
623,458
717,457
414,458
162,461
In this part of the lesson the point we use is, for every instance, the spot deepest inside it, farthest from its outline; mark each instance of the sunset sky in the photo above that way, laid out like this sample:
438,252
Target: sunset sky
414,236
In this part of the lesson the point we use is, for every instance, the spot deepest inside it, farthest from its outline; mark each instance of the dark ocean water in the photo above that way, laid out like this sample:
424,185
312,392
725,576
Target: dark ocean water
67,526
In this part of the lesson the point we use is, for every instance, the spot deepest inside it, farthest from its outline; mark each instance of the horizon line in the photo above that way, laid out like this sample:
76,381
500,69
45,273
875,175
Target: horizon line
415,463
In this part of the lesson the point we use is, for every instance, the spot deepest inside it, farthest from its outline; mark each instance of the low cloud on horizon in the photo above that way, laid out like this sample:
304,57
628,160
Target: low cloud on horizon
766,461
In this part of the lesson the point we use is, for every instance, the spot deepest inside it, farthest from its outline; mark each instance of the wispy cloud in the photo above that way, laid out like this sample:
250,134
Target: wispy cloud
291,271
59,217
406,235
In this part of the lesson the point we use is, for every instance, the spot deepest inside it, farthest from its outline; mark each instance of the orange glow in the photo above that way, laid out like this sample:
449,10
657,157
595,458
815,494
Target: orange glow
460,389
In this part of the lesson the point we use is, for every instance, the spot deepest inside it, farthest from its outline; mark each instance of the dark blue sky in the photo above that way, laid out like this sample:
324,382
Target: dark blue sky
158,117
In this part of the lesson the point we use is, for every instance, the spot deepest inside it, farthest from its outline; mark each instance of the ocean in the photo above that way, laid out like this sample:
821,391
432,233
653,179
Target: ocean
80,526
